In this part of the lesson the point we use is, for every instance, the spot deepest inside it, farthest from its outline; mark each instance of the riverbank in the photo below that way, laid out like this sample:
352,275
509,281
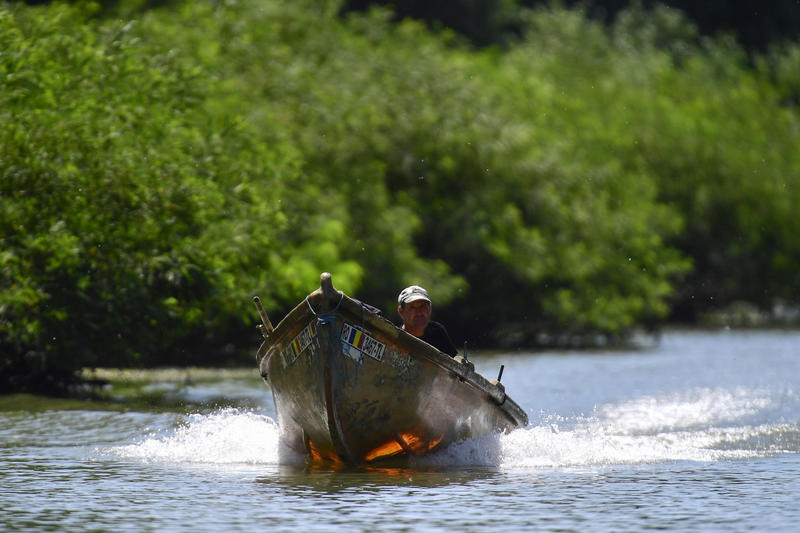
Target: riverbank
156,389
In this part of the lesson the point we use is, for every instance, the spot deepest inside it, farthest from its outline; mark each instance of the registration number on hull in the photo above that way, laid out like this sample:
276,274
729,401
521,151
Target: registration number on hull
356,342
303,340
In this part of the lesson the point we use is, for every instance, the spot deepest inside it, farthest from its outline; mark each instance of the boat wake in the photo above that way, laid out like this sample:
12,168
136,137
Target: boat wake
697,425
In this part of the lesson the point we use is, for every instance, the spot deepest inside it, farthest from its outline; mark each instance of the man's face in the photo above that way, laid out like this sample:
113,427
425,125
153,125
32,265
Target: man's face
416,316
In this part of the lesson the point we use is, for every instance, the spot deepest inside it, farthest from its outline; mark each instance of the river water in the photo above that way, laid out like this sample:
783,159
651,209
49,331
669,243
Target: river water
698,432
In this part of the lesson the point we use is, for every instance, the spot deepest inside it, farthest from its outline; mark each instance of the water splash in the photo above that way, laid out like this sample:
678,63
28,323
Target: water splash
227,436
693,409
696,425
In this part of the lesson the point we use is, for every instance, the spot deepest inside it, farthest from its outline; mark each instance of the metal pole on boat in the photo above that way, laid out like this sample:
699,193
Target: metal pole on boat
500,375
267,325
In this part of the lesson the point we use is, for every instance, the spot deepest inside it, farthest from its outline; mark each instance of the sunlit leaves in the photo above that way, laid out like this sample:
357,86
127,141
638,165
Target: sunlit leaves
120,199
156,173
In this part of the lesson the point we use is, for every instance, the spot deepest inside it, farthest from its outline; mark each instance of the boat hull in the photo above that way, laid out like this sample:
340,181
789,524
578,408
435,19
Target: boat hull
351,387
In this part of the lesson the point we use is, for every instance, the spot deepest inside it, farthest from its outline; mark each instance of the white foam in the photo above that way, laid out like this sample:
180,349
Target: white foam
695,425
593,446
224,437
697,408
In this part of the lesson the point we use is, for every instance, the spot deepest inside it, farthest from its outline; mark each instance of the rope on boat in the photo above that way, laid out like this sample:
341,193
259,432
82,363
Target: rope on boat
325,318
335,336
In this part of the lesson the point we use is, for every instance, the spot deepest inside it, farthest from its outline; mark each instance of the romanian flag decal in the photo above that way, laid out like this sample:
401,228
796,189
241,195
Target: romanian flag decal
293,350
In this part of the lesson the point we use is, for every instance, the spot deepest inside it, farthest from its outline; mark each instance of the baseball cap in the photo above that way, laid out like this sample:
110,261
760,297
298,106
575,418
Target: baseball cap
412,294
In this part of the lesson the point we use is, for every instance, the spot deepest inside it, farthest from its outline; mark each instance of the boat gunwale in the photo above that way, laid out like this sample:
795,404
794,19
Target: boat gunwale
336,302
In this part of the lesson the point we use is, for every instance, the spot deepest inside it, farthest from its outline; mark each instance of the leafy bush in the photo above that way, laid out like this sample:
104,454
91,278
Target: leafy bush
157,172
133,222
449,146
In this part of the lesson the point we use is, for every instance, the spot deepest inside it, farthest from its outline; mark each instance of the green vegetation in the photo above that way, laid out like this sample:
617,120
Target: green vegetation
158,170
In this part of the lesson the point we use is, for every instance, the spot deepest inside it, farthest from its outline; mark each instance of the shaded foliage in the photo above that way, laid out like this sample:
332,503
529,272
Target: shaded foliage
756,25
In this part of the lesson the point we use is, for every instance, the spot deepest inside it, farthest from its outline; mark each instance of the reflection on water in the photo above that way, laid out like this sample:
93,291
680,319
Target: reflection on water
328,479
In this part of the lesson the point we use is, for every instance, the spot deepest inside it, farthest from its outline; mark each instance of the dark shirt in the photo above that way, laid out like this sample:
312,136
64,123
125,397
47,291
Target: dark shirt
436,335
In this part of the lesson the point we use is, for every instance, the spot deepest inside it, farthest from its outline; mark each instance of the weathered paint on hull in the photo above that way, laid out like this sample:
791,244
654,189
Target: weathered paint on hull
351,387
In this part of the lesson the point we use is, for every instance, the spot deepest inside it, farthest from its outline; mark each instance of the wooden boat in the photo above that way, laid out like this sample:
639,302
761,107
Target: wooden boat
351,387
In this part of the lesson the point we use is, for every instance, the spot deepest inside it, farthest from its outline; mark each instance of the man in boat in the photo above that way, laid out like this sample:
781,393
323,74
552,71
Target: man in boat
414,307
